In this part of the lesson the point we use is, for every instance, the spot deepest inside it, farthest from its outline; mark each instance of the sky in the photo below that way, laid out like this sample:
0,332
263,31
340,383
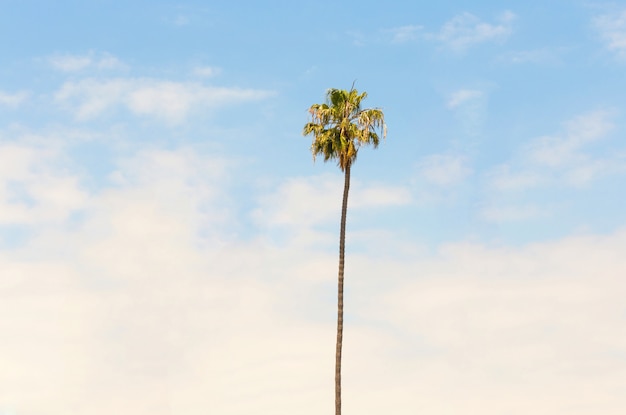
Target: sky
168,245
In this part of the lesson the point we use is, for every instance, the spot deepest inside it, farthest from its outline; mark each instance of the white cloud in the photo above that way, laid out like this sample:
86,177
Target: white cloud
69,63
463,96
562,159
378,195
181,20
501,178
444,169
206,71
13,100
358,38
557,151
535,56
499,214
566,154
305,202
91,60
532,328
466,30
612,29
404,34
35,189
172,101
470,108
567,159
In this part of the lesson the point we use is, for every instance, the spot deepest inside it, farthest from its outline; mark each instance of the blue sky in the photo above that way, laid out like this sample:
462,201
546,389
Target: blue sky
168,246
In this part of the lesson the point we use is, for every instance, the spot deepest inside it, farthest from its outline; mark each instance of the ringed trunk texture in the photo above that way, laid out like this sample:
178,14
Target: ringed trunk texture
342,246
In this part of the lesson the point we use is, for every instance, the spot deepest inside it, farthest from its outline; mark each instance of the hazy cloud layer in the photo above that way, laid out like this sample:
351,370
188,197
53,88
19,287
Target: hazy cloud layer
147,307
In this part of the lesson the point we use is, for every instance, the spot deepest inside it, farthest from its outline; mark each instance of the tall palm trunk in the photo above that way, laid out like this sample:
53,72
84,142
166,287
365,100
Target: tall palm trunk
342,246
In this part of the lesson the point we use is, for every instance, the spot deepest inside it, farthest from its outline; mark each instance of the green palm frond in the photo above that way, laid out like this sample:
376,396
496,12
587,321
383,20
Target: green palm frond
340,127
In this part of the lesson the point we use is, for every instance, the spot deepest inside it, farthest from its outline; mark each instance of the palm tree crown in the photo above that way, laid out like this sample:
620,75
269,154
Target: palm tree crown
340,126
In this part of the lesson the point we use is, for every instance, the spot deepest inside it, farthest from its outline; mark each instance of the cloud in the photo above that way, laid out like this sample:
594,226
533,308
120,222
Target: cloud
357,37
528,326
13,100
206,71
501,178
534,56
404,34
572,158
458,34
470,108
35,188
562,159
379,195
311,201
466,30
172,101
181,20
91,60
612,30
185,15
85,288
462,96
557,151
500,214
444,169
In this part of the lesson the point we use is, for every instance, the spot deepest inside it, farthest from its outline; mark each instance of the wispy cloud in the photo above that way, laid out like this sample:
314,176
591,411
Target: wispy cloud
572,158
502,178
379,196
404,34
556,151
462,96
469,106
563,159
306,202
206,71
181,15
444,169
612,29
181,20
13,100
466,30
172,101
513,213
459,33
88,61
532,56
358,38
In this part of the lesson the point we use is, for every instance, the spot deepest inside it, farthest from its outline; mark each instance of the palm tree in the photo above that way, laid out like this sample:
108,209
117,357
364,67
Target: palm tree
340,127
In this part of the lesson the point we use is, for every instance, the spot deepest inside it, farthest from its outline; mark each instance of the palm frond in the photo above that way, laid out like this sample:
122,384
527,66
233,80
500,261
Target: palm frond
340,127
